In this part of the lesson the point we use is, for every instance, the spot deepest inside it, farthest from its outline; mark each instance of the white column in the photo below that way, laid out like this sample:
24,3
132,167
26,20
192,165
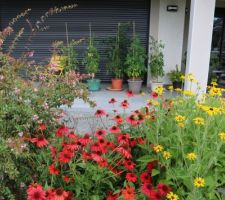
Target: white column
199,41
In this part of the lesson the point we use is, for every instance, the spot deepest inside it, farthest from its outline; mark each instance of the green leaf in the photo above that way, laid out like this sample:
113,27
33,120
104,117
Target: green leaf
146,158
155,172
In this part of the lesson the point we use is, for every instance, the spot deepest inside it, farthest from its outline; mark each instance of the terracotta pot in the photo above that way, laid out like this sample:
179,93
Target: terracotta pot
117,84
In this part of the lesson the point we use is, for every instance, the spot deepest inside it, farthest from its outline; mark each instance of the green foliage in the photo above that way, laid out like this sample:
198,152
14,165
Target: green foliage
69,57
156,58
91,58
135,60
175,75
118,48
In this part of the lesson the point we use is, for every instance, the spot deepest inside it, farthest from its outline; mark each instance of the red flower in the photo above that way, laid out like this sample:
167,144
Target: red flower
118,119
100,133
35,192
71,135
85,140
112,196
124,104
61,130
145,177
132,120
163,189
53,170
130,93
86,155
133,142
124,152
66,179
123,138
96,147
147,189
103,163
112,101
102,142
70,196
96,157
49,194
59,194
128,193
42,127
154,95
65,156
129,165
114,129
151,165
100,113
140,140
155,195
40,141
53,151
131,177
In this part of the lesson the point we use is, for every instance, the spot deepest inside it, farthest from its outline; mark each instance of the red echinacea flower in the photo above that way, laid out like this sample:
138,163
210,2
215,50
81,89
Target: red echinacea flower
154,95
123,138
112,101
100,133
40,141
42,127
145,177
111,196
155,195
65,156
147,189
124,104
100,113
163,189
131,177
114,129
130,93
53,170
35,192
62,130
129,165
60,194
118,119
66,179
128,193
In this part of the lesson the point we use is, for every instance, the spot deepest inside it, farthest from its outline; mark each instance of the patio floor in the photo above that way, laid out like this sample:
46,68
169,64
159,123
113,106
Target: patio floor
81,116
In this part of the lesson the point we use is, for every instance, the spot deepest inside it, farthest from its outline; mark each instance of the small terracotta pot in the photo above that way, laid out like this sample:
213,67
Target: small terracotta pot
117,84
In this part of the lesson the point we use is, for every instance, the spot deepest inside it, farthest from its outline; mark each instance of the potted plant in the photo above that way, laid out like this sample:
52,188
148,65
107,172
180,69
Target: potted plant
175,77
91,63
135,62
116,56
156,63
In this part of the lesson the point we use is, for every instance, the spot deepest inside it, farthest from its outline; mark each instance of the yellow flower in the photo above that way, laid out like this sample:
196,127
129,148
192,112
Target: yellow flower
222,136
142,94
181,125
179,118
188,93
170,88
199,121
166,155
158,148
191,78
191,156
215,92
178,90
159,90
182,77
172,196
213,83
199,182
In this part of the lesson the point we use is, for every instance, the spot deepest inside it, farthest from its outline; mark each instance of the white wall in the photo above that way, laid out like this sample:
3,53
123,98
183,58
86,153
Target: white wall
171,31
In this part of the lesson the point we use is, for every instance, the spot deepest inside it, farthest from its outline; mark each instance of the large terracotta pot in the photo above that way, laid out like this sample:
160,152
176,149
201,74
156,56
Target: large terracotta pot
117,84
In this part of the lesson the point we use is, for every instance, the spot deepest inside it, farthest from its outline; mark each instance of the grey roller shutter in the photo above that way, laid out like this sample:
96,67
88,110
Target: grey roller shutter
103,14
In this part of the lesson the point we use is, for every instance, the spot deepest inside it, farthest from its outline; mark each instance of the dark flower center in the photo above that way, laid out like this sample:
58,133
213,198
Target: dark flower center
37,195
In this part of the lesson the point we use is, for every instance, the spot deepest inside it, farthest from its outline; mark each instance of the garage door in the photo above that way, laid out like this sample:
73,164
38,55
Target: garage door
103,14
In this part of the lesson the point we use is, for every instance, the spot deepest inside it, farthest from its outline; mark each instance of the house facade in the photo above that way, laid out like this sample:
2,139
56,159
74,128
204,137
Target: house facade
186,27
188,32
